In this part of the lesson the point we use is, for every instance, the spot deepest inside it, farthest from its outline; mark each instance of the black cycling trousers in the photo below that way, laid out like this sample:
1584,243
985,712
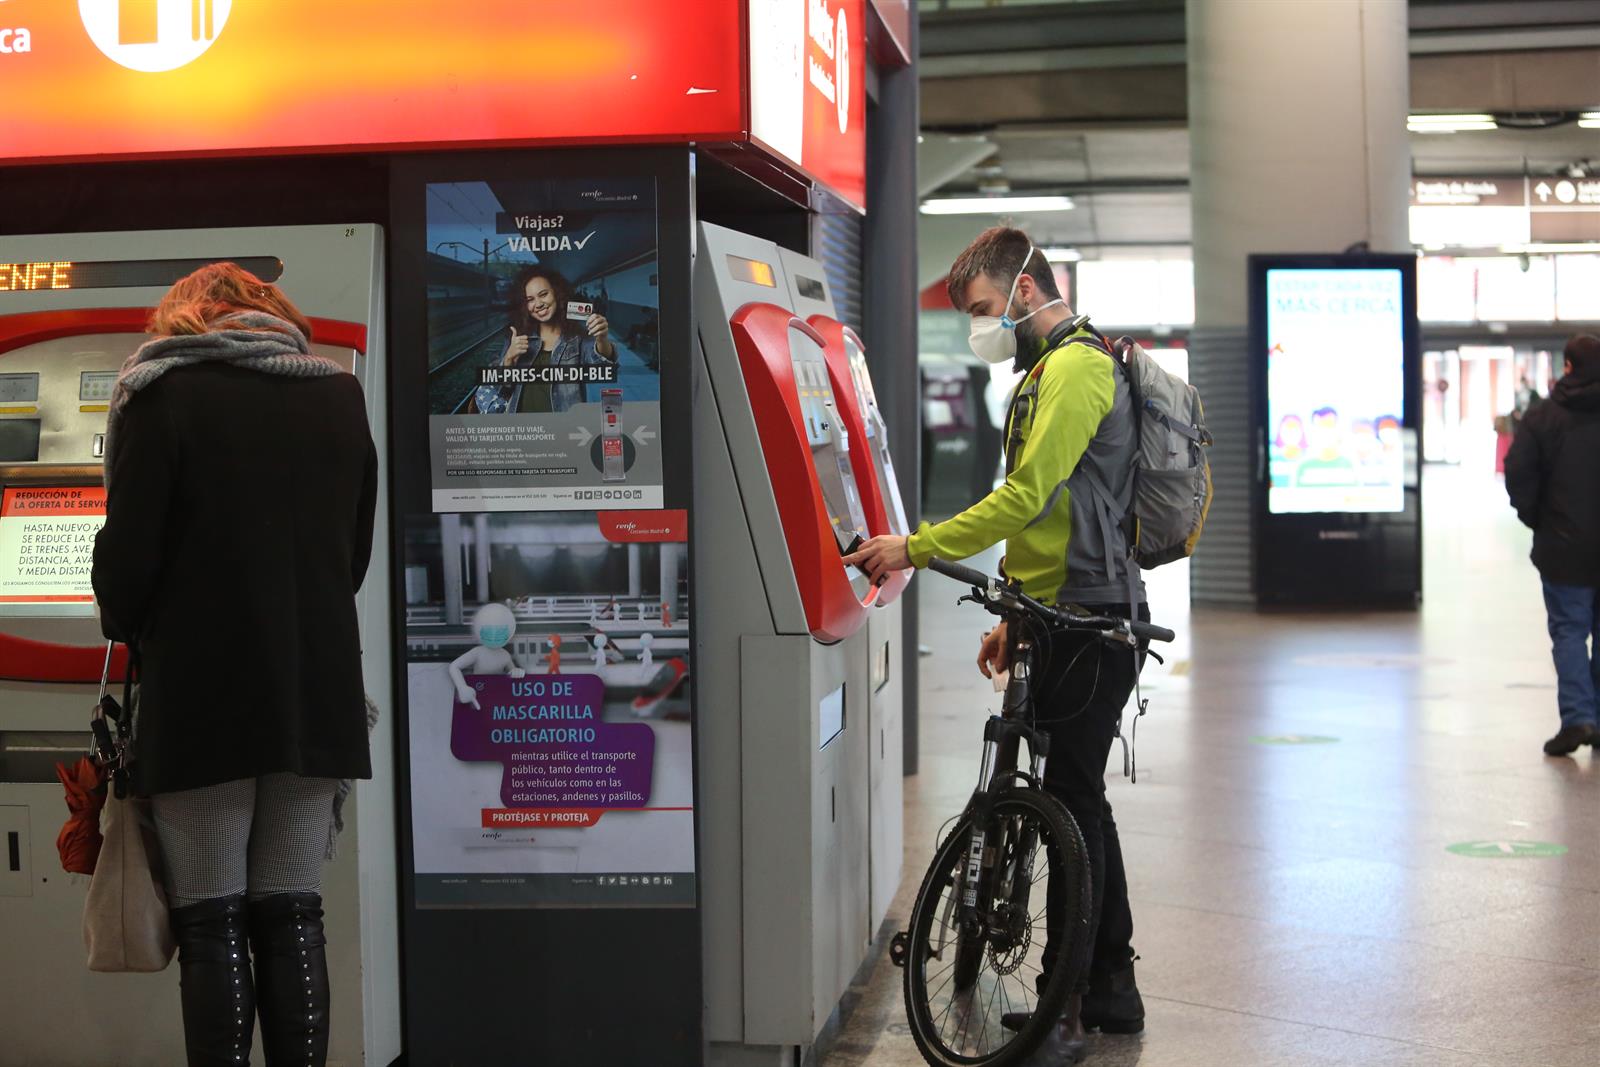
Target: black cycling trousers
1081,685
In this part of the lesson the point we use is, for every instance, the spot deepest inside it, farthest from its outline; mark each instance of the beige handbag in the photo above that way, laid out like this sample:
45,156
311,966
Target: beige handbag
125,925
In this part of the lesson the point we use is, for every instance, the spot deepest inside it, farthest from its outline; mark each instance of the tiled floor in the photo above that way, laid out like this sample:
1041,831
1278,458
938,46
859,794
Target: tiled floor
1295,903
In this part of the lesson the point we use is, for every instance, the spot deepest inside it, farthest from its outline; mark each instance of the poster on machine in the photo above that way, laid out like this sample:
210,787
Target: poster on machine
47,548
544,355
1335,390
548,673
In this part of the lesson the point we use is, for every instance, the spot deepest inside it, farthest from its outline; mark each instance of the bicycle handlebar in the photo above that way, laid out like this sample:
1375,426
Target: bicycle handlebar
959,572
993,590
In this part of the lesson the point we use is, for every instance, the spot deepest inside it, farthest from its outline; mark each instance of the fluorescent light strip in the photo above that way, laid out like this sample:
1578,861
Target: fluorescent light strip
1062,255
1450,123
1448,120
1589,123
995,205
1468,127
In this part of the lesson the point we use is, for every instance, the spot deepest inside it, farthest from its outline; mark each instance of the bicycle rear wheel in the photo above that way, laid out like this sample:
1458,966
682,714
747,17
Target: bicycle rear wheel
960,982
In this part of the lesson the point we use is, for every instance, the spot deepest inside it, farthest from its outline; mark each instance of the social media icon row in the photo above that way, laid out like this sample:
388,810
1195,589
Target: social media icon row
631,879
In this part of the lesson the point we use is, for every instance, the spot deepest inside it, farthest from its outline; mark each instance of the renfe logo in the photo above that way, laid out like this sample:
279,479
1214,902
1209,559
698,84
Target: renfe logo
153,36
832,37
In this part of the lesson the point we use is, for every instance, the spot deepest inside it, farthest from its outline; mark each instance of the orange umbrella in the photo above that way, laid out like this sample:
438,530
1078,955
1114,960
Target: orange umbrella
79,839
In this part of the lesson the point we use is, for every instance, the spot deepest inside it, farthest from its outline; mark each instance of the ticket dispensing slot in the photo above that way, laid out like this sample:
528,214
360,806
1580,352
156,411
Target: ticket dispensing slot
806,442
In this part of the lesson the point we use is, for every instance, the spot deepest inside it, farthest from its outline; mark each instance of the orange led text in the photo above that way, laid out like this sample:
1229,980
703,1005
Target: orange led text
57,275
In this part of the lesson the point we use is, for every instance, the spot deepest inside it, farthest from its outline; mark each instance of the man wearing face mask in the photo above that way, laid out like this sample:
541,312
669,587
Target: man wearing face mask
1071,420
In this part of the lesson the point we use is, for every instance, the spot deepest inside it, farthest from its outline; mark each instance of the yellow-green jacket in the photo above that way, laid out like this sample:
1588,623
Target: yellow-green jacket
1061,547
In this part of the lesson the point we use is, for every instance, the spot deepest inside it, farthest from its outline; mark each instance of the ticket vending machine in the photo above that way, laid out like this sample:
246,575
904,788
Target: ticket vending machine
857,402
72,308
795,730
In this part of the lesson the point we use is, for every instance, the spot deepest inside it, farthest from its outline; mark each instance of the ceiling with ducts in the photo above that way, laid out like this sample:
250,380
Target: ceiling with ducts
1087,99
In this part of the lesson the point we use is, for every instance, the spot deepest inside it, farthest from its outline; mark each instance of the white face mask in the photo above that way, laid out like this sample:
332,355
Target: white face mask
994,338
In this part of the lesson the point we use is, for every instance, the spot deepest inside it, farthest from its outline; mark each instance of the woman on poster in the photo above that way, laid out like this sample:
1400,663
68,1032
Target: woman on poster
538,311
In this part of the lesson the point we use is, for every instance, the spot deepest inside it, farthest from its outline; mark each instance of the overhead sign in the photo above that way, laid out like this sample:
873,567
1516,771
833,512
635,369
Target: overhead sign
1484,212
148,78
808,88
47,546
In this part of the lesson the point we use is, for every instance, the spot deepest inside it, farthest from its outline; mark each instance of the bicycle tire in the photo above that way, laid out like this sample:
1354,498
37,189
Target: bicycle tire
1067,860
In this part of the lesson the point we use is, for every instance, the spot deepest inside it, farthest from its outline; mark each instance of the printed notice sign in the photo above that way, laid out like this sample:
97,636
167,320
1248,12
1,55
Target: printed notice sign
47,548
551,755
544,354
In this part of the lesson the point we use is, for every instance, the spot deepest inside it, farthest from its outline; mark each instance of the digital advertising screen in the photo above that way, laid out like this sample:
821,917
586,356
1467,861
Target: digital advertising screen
1335,342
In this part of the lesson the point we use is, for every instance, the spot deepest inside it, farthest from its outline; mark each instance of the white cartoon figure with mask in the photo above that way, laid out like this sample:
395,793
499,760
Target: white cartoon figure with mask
493,624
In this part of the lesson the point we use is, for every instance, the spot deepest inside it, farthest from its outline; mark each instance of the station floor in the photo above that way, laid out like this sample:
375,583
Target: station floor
1301,779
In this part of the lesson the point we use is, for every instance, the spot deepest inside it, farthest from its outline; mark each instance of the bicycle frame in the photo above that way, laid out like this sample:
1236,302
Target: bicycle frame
1003,736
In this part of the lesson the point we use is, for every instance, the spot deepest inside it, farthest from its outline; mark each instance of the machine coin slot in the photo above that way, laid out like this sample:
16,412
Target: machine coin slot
15,877
99,448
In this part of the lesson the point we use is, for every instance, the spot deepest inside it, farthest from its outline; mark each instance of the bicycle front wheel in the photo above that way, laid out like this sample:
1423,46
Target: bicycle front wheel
963,977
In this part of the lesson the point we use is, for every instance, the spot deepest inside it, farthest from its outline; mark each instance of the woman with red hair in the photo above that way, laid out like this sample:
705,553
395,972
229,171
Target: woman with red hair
241,485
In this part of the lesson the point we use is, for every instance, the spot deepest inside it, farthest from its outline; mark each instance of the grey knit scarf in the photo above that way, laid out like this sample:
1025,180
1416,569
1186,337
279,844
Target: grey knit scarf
250,339
259,342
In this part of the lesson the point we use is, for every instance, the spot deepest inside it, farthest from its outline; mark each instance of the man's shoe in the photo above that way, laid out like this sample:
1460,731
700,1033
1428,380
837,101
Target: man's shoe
1065,1045
1567,740
1113,1004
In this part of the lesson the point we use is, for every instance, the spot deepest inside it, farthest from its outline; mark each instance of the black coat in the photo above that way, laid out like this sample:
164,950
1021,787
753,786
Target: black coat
238,528
1553,476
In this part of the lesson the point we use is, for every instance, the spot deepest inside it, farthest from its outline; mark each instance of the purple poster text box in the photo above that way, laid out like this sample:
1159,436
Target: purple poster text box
545,730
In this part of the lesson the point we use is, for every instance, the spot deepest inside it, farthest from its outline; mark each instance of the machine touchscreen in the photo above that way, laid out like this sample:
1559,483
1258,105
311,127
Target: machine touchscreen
828,438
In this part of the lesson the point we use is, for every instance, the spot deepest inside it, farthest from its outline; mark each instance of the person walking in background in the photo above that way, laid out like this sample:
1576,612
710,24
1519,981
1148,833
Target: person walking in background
241,483
1553,478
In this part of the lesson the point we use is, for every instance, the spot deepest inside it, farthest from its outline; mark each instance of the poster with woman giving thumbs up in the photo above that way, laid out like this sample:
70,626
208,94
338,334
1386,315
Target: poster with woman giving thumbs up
544,379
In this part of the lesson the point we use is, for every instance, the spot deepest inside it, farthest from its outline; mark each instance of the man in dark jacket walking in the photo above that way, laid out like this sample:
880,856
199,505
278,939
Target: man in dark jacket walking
1553,476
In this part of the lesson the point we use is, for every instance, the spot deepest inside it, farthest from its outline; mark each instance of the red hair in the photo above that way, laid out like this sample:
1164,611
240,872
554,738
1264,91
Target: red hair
194,304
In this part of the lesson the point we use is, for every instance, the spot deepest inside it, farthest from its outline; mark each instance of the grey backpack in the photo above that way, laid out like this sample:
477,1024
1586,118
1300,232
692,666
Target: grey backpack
1171,484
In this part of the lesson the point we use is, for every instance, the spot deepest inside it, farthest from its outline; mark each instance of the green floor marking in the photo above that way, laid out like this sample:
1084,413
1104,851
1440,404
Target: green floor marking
1506,850
1292,739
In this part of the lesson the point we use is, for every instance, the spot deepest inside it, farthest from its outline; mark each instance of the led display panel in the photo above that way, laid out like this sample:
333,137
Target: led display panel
1335,390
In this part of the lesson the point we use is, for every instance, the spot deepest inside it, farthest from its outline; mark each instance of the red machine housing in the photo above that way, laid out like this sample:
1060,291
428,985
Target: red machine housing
873,500
761,337
40,661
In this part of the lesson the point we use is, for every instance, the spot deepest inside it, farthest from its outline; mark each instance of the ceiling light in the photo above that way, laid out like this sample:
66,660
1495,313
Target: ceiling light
1062,255
995,205
1449,123
1589,122
1418,120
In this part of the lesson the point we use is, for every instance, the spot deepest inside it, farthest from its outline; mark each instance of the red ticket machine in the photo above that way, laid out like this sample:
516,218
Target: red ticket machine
814,453
869,437
73,307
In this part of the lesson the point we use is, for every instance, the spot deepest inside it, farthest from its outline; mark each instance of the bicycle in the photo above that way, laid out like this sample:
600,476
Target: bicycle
981,902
